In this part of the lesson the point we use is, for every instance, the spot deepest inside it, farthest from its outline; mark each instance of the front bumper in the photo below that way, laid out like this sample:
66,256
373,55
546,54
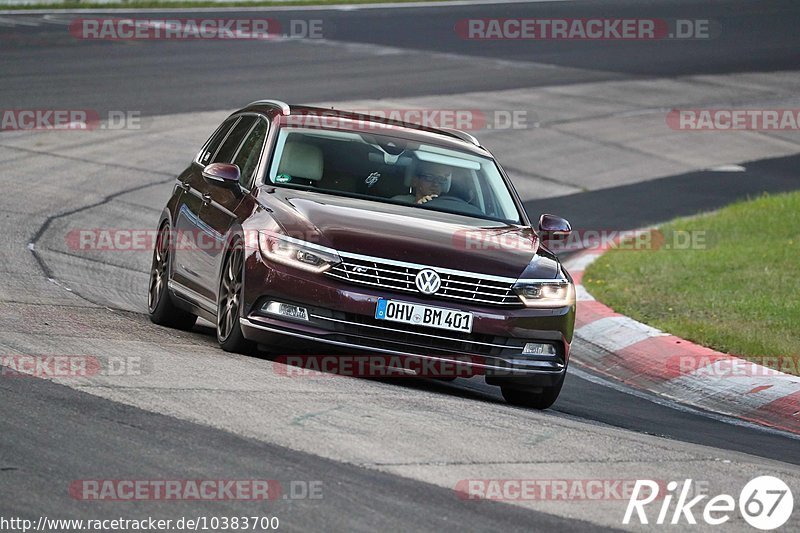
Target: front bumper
341,318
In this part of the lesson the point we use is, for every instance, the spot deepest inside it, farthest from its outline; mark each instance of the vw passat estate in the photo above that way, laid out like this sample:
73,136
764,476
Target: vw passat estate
300,227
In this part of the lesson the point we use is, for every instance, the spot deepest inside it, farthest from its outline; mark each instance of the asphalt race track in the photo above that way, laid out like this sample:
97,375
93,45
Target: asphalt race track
388,453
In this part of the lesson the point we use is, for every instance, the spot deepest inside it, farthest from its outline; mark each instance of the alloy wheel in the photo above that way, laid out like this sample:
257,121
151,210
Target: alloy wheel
230,289
158,271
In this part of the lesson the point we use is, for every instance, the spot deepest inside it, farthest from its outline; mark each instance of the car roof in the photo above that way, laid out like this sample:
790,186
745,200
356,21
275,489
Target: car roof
446,137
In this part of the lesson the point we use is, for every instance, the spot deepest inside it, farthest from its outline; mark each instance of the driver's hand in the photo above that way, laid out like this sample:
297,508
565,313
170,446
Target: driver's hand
427,198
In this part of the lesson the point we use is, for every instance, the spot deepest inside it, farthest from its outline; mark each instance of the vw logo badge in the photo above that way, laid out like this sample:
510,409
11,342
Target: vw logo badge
428,281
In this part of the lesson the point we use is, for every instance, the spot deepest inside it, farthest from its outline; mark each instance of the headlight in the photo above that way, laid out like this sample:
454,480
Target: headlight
545,293
296,253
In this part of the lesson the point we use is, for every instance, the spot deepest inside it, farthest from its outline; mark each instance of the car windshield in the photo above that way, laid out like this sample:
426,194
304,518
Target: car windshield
391,169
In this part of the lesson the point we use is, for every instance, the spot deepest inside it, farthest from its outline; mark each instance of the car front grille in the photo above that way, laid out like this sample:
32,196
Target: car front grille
399,276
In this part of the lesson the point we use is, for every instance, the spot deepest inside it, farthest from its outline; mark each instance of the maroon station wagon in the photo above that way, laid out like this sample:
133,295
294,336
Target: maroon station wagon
313,228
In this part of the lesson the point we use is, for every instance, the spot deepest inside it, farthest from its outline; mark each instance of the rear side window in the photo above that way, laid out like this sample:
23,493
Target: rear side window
213,143
250,152
229,145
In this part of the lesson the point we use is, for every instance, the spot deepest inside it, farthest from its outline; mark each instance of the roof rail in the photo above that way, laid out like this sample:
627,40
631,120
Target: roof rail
463,135
283,106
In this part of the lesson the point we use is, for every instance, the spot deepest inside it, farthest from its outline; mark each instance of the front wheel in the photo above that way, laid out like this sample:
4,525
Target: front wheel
229,331
535,400
159,303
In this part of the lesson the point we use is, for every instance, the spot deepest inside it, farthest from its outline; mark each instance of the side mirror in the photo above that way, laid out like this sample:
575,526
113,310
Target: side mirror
553,226
222,173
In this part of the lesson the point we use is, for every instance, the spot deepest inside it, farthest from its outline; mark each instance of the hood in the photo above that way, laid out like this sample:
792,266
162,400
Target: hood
410,234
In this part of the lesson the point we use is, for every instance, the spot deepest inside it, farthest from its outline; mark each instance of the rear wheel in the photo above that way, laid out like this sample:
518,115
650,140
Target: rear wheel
229,331
535,400
159,302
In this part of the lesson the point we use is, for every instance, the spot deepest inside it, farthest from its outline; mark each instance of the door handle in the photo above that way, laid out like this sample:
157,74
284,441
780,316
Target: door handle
206,199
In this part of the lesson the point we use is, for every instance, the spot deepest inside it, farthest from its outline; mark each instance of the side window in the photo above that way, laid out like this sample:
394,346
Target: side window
228,148
249,153
213,143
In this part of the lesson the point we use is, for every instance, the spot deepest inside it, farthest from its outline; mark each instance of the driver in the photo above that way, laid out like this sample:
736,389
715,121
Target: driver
431,180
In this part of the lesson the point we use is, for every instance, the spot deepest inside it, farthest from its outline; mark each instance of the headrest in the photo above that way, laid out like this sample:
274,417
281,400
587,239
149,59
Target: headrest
421,167
301,160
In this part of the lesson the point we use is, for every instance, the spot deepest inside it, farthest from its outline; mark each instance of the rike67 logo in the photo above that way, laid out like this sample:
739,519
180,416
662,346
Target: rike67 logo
765,503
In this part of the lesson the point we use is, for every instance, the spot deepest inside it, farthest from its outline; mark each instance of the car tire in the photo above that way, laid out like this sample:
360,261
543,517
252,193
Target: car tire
229,330
160,307
534,400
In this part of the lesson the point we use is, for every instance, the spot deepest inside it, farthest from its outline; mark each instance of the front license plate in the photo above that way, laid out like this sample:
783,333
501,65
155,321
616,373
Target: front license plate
423,315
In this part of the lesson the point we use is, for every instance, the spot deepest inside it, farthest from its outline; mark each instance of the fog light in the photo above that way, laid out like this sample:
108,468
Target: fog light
537,348
288,310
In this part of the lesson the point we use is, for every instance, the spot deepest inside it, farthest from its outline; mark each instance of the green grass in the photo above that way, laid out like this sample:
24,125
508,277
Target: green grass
738,293
157,4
